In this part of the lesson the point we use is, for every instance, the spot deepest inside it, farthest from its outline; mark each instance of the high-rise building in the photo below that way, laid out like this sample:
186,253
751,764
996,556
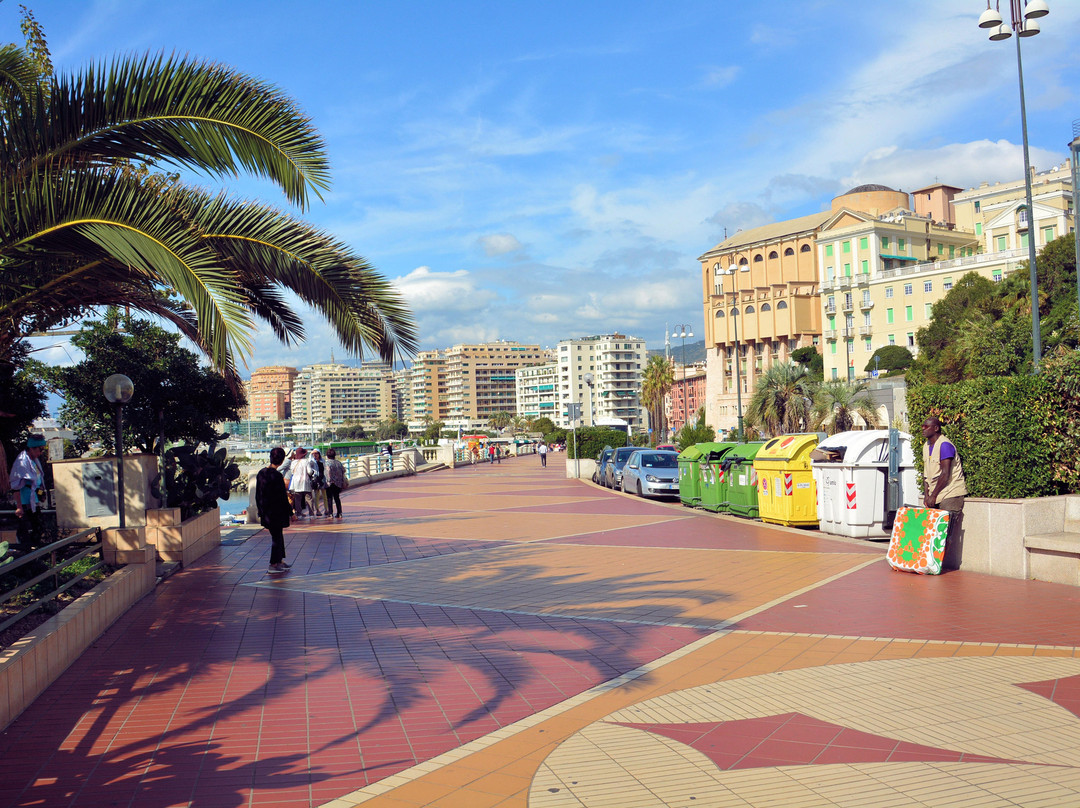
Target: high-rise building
269,393
329,395
617,364
427,376
537,391
480,380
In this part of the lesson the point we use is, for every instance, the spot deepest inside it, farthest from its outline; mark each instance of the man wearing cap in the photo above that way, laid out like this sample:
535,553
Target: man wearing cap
28,483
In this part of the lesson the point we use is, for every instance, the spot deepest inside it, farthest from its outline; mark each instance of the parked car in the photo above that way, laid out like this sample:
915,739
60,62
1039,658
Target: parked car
652,473
667,446
613,470
601,465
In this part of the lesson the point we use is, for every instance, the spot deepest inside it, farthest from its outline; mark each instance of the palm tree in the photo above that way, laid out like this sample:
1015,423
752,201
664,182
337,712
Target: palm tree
86,219
781,399
838,402
500,420
656,383
519,423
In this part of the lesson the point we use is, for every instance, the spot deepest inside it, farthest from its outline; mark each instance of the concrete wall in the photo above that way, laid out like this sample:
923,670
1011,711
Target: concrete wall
74,490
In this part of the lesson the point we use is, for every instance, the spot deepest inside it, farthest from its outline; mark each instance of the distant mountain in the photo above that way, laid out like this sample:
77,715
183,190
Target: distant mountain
695,351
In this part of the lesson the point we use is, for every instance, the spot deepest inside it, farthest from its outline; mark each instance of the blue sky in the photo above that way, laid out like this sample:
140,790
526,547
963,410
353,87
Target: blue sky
535,171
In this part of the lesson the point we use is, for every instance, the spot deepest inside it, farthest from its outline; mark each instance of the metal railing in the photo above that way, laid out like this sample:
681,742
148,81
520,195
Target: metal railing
91,537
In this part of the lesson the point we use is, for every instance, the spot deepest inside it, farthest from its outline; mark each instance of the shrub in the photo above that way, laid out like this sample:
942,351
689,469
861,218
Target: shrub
591,440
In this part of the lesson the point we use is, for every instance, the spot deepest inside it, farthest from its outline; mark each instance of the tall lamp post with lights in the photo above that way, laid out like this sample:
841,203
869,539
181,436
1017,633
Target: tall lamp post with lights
118,390
1024,15
731,270
590,380
683,331
1074,148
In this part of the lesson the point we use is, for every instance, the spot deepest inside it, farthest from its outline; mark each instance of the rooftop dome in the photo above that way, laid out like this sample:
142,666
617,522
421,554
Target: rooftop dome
862,189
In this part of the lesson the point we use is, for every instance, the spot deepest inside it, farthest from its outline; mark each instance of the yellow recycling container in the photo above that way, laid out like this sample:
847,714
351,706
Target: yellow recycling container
786,492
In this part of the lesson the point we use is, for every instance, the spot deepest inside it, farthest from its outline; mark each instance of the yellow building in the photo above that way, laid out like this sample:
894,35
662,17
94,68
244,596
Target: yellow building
772,294
329,395
870,294
428,381
269,393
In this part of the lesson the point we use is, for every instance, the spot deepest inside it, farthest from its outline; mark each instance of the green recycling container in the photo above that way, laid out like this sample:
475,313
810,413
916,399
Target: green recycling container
714,482
690,476
742,491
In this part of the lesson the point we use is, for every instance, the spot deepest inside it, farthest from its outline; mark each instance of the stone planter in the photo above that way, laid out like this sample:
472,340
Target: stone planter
34,662
1022,538
183,541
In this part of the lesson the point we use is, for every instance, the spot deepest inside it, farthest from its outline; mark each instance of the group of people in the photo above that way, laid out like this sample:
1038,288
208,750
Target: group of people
306,473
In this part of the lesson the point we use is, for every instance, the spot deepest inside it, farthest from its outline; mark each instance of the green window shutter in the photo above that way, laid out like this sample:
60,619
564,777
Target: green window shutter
900,244
1024,242
940,249
978,228
846,246
828,249
909,311
884,242
1002,242
888,315
864,243
847,270
865,267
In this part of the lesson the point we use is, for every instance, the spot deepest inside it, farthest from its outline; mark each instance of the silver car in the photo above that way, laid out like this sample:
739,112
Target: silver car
652,473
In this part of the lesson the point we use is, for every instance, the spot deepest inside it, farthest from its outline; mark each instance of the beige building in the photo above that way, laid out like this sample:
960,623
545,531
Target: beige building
329,395
617,364
427,377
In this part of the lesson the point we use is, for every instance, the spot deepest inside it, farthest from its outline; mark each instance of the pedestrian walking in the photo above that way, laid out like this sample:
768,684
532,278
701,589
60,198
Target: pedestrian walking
336,482
491,453
272,500
317,472
542,450
300,482
27,480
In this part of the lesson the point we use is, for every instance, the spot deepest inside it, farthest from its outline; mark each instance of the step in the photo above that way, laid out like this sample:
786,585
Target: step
1067,541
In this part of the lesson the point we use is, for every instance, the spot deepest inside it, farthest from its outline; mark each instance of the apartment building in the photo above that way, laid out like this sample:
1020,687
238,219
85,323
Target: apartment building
902,263
329,395
869,293
427,378
269,393
480,380
616,363
537,391
686,396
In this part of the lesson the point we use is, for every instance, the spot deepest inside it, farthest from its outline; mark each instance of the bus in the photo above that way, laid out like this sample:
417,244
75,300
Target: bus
617,424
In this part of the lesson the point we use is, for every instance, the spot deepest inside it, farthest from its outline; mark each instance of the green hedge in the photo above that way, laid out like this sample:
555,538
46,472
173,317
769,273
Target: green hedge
591,440
1007,430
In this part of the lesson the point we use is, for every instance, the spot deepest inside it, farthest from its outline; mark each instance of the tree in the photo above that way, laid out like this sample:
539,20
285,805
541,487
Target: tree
173,392
518,423
694,433
352,430
838,402
891,359
22,399
433,431
657,381
391,429
781,399
543,425
811,360
88,221
500,420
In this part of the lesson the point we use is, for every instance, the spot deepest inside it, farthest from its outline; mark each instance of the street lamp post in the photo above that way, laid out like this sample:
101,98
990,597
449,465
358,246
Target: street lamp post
590,380
683,331
738,384
1023,17
118,390
1074,148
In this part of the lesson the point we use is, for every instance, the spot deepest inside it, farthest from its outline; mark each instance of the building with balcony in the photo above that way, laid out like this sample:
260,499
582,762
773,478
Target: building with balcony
617,363
329,395
427,379
269,393
860,256
686,396
537,391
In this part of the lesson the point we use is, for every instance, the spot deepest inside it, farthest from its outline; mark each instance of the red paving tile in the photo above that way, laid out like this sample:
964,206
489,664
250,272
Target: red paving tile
211,692
963,606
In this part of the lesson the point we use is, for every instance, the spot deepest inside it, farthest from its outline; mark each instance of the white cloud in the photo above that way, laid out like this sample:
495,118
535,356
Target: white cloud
500,244
962,164
427,290
720,76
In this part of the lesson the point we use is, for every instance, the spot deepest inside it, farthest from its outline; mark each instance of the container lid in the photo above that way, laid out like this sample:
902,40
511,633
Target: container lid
869,447
744,452
786,447
691,453
708,451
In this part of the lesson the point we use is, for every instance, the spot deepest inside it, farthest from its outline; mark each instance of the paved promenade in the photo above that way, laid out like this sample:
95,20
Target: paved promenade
503,636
